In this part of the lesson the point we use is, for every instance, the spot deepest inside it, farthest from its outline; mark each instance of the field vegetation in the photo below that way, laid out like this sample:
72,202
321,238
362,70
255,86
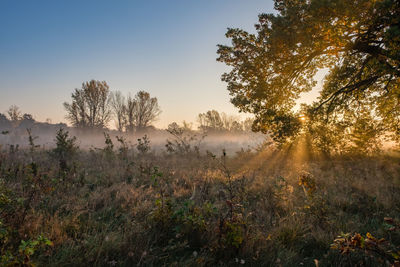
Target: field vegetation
321,189
120,205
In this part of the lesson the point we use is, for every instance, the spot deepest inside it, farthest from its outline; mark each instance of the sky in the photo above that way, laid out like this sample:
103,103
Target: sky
167,48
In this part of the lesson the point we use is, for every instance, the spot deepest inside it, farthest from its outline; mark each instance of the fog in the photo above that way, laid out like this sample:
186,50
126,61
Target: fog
44,137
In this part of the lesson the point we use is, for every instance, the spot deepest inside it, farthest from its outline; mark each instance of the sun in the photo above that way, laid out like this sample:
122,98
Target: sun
303,118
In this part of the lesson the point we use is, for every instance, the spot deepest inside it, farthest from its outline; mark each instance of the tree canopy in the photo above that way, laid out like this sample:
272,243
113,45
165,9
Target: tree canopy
142,109
14,113
90,105
357,43
94,105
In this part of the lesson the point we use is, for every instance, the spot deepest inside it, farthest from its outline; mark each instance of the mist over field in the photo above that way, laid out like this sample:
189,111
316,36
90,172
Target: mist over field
200,133
214,142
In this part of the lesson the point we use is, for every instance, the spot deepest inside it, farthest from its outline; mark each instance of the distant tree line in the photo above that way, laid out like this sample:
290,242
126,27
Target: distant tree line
94,106
14,125
212,120
15,118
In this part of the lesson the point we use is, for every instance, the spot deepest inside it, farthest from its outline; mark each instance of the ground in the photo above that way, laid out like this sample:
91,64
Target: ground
271,207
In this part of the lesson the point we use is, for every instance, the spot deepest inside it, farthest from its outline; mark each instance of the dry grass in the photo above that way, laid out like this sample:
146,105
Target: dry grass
248,208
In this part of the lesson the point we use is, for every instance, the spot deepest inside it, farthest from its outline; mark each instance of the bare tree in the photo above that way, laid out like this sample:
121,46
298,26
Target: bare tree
14,113
187,126
118,106
90,105
231,122
97,97
76,111
130,114
145,109
247,124
211,120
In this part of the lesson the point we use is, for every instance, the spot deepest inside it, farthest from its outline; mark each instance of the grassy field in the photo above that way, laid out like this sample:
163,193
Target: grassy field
121,206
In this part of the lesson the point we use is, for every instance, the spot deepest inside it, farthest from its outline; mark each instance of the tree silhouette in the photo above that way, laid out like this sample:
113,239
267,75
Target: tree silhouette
211,120
358,44
141,111
14,113
90,105
118,106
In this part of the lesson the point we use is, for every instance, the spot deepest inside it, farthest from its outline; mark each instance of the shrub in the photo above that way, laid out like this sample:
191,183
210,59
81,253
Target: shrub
66,147
143,145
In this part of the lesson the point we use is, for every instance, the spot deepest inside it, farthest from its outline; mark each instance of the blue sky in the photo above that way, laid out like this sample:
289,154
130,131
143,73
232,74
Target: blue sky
168,48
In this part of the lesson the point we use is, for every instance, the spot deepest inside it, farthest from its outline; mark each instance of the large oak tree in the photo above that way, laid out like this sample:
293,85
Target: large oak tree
356,42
